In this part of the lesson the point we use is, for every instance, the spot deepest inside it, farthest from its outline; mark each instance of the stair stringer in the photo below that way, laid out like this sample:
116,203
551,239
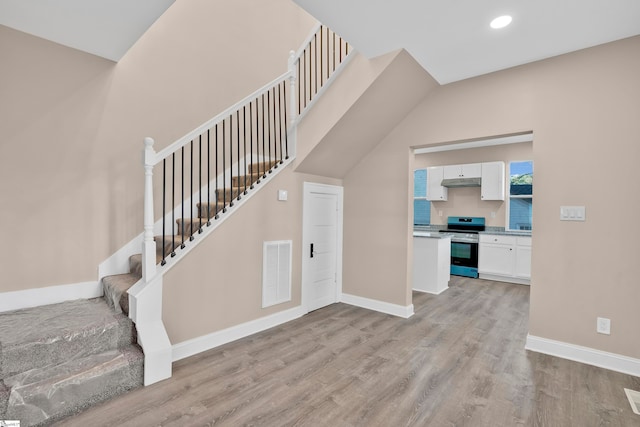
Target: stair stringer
145,299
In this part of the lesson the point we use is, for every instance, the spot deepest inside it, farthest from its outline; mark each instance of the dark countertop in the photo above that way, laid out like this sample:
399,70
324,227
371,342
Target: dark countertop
431,234
507,233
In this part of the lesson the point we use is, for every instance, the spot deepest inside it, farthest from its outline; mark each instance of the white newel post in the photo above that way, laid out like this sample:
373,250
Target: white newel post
149,244
292,101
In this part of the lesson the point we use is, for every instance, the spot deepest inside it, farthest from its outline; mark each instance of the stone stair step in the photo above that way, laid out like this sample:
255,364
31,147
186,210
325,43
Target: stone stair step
36,337
209,207
261,167
42,396
115,290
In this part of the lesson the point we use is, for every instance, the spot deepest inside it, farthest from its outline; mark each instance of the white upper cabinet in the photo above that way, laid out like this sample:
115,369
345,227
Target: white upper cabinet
471,170
492,181
435,191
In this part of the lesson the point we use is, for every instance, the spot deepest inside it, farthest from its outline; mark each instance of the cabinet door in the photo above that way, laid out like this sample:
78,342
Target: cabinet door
471,170
496,259
452,171
523,262
492,181
435,191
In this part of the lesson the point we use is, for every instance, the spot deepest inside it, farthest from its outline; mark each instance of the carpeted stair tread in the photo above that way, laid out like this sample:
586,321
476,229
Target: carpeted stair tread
191,225
170,242
135,263
228,194
210,207
42,396
4,400
115,290
262,167
35,337
239,181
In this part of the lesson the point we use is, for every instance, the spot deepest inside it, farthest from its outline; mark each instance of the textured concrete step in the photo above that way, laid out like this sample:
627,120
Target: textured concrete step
42,396
36,337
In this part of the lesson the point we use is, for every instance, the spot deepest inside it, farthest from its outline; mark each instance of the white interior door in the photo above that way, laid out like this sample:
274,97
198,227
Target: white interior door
322,245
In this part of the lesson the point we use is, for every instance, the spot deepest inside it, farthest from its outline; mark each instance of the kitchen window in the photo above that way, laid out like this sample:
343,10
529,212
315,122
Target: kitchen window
421,206
520,195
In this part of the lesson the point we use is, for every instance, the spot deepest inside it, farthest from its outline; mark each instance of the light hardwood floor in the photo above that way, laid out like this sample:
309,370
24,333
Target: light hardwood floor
459,361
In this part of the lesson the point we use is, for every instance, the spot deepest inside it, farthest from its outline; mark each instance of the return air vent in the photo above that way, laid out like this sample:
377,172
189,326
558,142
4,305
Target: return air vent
276,272
634,400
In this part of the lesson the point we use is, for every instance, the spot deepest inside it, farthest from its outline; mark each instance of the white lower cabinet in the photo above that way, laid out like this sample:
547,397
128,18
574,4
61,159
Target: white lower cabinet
431,264
505,258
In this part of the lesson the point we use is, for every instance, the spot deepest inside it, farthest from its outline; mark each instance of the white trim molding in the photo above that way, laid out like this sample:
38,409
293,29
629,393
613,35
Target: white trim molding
376,305
207,342
35,297
587,355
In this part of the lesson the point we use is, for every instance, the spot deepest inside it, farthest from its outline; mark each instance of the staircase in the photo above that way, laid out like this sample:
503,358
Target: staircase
59,359
116,286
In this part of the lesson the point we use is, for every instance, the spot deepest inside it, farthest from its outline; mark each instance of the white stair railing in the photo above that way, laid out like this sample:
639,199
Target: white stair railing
259,131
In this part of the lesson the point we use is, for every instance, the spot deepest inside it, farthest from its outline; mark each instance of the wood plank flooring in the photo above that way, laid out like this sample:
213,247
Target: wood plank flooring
459,361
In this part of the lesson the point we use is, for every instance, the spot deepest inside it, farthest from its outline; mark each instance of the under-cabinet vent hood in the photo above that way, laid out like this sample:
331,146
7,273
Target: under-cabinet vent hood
461,182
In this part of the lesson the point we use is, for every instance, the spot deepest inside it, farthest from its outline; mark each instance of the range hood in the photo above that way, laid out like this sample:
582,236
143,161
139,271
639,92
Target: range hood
461,182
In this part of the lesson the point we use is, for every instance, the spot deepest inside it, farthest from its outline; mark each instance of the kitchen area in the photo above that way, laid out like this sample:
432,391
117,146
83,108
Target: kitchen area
473,213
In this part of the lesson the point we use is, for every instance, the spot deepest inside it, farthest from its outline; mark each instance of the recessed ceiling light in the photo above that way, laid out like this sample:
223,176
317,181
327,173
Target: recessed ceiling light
501,21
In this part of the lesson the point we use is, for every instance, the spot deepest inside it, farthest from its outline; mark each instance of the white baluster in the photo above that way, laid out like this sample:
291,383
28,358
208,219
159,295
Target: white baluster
292,85
292,103
149,244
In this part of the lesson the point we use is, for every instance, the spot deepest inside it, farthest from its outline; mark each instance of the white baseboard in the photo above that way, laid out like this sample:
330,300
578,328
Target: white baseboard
49,295
429,292
381,306
590,356
507,279
216,339
118,263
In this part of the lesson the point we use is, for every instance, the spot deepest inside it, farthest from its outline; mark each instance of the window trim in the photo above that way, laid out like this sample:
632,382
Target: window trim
517,196
414,198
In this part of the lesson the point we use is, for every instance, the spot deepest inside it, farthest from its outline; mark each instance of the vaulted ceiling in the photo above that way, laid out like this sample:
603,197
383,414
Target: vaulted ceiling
106,28
452,39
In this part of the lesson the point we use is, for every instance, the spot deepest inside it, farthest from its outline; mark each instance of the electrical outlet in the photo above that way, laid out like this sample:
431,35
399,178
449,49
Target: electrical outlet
603,326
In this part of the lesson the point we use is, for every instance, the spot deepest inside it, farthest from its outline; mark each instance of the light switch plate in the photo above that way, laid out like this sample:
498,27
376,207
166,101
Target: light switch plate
283,195
572,213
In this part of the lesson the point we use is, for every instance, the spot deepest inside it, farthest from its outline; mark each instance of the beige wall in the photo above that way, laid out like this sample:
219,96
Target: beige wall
583,108
219,284
466,201
72,125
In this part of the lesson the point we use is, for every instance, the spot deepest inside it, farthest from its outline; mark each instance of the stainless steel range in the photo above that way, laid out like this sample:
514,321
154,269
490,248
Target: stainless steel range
464,244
